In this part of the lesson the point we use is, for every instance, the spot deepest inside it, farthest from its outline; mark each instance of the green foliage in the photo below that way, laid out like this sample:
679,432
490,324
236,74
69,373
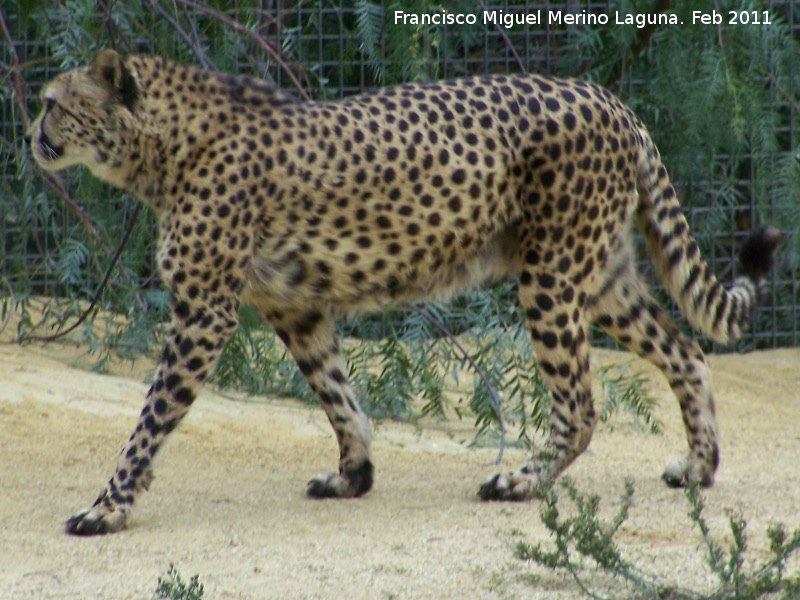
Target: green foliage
173,587
736,580
403,367
73,256
398,52
385,369
624,390
585,536
584,547
257,362
369,19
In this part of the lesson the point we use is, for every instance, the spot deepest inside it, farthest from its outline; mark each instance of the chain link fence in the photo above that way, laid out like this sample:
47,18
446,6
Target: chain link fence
338,48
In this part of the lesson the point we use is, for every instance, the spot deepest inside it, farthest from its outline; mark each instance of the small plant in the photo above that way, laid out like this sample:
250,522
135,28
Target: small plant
584,547
729,567
173,587
622,389
585,536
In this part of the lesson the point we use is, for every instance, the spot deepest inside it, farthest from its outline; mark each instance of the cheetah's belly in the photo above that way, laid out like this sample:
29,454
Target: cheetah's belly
294,282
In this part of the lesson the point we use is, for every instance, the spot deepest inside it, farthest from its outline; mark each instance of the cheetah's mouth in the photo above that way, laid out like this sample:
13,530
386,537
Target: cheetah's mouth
43,149
48,150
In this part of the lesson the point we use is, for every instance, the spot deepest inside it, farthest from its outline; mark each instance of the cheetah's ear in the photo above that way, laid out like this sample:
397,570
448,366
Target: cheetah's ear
110,70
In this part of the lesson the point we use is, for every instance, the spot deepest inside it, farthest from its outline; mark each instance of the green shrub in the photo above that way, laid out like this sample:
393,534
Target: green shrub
173,587
584,547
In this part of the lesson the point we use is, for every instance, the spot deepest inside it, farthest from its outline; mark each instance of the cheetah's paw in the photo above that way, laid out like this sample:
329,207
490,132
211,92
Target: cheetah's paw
686,472
96,521
348,484
511,486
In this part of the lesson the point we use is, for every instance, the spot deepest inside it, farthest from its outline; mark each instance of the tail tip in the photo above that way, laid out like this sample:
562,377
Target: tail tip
758,252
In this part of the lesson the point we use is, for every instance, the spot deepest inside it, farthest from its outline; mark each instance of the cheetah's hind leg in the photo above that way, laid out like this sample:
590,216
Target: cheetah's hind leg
627,312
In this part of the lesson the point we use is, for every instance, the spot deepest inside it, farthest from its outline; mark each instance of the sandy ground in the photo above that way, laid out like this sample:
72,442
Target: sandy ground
228,500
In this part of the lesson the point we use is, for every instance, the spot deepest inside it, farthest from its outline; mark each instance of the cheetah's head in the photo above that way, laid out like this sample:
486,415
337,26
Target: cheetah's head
87,113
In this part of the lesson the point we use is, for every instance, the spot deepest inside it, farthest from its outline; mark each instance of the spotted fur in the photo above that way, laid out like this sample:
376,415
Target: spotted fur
308,210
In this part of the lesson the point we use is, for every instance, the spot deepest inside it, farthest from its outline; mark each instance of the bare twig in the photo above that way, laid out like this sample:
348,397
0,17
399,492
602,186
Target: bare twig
790,99
101,287
238,27
16,81
206,62
468,357
506,40
641,42
86,220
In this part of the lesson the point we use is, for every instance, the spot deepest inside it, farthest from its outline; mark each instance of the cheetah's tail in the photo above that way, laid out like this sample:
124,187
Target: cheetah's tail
719,313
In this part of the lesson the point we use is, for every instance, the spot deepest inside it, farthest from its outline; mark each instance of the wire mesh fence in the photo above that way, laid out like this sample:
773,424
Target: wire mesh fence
333,49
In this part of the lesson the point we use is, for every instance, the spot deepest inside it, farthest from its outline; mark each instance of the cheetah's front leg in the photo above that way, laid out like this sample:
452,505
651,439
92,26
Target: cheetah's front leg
195,342
312,340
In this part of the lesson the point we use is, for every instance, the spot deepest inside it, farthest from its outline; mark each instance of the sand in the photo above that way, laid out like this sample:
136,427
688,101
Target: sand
228,501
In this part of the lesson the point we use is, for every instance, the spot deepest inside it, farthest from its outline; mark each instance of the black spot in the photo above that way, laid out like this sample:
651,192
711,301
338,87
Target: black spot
307,367
549,339
534,314
173,380
544,302
181,310
548,367
184,395
546,281
552,104
185,347
566,339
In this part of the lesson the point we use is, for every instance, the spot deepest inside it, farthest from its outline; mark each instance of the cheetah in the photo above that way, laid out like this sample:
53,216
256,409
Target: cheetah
311,210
